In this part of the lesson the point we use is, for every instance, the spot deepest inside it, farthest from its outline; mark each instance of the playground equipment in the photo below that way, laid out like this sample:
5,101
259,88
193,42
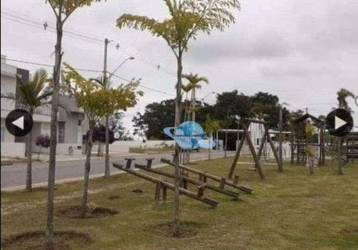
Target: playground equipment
202,183
299,141
204,176
245,123
187,180
163,185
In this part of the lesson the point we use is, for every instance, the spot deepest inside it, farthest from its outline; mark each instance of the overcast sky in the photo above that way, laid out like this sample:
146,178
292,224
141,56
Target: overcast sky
303,51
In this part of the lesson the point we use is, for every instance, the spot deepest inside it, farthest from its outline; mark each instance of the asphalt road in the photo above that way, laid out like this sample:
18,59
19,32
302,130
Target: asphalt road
14,175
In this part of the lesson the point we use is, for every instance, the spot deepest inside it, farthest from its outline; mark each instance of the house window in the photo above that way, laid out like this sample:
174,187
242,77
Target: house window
61,132
79,122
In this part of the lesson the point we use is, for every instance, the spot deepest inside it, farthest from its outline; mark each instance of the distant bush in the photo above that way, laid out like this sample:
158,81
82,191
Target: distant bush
43,141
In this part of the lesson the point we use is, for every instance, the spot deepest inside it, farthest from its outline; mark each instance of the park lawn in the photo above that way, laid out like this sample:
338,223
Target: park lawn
289,210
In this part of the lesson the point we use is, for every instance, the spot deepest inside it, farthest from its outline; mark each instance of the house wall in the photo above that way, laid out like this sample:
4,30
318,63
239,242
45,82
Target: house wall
6,136
12,149
72,129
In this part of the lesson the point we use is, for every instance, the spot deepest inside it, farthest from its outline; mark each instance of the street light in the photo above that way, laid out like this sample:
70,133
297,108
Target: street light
129,58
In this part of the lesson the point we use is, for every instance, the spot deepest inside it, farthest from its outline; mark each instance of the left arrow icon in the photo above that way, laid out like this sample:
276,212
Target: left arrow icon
19,123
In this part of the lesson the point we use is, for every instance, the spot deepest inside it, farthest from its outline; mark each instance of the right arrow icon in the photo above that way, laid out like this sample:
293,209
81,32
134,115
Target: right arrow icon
338,122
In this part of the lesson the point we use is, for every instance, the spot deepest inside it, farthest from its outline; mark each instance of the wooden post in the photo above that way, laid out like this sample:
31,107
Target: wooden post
236,179
237,155
340,169
149,162
164,193
222,183
262,145
201,189
129,162
252,149
157,193
280,167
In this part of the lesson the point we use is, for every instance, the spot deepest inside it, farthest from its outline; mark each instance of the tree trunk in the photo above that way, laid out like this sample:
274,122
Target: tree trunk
53,131
340,168
176,228
87,171
193,104
106,167
311,165
29,162
211,135
280,166
38,156
100,149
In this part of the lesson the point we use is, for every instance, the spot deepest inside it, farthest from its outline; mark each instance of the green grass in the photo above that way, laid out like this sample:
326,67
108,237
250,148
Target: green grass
290,210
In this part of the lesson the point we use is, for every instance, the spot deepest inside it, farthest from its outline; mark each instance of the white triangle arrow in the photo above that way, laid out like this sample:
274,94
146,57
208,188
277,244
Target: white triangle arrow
338,122
19,123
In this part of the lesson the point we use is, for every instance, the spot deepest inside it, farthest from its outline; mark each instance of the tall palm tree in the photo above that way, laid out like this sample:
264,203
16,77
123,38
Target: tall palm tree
186,88
31,95
194,82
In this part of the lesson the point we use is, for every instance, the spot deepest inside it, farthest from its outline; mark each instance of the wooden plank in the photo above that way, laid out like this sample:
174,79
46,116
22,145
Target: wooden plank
208,201
253,152
279,163
236,158
209,176
188,180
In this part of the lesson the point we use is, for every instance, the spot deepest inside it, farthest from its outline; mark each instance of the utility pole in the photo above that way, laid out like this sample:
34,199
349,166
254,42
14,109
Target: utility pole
106,85
280,139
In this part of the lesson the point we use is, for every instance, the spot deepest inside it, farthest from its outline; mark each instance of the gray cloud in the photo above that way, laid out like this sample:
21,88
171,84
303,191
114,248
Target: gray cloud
301,50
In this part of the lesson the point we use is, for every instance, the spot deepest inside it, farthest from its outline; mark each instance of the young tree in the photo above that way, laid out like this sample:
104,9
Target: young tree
43,141
310,150
62,9
187,19
31,95
211,126
97,102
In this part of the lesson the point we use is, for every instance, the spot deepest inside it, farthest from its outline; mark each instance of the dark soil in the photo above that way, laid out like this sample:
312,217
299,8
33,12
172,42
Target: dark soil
187,229
113,197
138,191
64,240
75,211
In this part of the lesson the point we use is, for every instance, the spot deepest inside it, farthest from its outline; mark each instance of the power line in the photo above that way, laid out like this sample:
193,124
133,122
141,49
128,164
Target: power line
145,87
49,65
87,70
37,23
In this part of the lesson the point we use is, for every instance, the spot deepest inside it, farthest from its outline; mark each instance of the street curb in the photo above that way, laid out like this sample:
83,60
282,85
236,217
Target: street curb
44,184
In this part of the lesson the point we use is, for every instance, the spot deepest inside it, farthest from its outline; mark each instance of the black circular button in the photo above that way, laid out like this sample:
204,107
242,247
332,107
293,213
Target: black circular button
339,122
19,122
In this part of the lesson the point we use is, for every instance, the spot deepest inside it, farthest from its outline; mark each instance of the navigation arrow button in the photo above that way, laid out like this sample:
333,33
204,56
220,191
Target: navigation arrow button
338,122
19,123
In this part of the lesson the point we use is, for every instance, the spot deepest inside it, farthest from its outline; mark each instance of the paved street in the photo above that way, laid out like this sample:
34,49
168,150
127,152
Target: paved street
14,175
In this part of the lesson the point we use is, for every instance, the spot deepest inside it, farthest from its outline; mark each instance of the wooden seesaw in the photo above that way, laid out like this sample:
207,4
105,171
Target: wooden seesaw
163,185
203,176
187,180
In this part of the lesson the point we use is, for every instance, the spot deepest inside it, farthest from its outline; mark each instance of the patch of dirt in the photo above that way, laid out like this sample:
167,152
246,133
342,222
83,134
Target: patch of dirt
36,240
138,191
113,197
187,229
93,212
349,231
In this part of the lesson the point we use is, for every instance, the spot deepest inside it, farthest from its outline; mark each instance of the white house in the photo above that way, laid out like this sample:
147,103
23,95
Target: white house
71,122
